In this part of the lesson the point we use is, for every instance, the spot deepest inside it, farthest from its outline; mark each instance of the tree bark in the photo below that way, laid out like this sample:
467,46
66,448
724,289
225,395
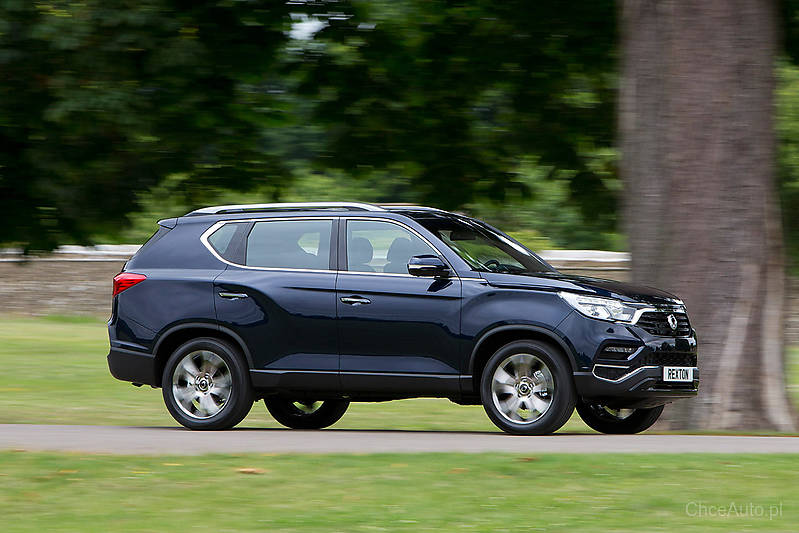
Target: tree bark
701,212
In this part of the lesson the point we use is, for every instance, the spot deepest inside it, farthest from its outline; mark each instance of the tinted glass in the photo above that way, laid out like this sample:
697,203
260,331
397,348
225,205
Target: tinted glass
374,246
223,237
485,249
290,244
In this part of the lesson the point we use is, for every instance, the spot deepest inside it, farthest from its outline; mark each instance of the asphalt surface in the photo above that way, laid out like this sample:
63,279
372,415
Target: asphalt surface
179,441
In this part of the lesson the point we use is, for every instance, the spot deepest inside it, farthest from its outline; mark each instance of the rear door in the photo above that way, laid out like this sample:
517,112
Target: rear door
278,295
398,333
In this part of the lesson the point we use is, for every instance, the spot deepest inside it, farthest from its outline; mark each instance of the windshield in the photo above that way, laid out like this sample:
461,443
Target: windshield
482,247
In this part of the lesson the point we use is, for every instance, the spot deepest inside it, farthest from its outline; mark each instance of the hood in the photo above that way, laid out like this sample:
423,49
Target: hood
556,281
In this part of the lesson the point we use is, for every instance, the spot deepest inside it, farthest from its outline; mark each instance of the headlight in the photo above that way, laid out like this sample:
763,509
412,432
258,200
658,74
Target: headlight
601,308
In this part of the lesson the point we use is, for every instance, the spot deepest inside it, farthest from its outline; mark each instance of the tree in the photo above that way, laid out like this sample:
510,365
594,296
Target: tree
458,92
701,211
103,99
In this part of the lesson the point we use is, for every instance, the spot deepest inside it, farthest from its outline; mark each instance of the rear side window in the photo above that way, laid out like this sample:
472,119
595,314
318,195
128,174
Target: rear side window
290,244
227,239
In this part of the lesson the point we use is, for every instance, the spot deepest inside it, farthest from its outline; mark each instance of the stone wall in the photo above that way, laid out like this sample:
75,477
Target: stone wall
47,286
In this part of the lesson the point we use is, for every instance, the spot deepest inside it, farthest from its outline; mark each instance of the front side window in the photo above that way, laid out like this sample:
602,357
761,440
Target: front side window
374,246
290,244
484,249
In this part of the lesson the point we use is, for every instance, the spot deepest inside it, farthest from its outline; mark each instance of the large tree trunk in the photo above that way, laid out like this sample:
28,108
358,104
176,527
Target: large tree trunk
698,157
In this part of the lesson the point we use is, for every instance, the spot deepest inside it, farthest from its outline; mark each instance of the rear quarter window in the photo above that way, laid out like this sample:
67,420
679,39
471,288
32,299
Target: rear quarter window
227,241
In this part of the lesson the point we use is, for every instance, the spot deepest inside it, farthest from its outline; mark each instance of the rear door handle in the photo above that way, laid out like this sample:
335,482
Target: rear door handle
232,295
355,300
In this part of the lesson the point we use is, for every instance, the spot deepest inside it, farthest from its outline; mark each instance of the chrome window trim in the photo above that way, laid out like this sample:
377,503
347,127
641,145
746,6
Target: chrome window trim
389,274
207,233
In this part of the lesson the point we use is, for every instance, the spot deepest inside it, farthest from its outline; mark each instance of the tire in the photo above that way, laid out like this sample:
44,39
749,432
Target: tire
527,388
306,414
617,421
206,385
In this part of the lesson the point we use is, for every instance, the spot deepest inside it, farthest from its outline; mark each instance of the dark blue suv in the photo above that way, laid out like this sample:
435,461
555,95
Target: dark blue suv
313,306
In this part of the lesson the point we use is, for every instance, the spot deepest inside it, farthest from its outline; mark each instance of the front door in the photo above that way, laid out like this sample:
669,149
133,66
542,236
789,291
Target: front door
398,333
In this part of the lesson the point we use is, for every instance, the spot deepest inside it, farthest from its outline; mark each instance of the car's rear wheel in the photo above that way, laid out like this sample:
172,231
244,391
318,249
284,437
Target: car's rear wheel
306,414
527,389
617,421
206,385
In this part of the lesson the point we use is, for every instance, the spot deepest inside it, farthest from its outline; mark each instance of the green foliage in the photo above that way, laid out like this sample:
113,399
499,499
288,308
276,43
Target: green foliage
458,92
787,119
101,100
433,102
544,217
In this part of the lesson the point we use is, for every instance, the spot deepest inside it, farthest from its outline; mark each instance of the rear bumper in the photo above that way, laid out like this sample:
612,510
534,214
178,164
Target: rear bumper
136,367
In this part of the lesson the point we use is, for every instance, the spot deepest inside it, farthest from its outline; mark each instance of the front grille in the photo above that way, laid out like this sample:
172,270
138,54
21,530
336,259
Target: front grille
667,359
657,323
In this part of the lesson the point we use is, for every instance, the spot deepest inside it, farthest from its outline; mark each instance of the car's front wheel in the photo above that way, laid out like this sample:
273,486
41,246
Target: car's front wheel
527,389
617,421
206,385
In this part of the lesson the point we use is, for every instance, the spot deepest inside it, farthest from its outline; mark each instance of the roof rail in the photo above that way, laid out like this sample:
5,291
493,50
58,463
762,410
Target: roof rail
409,207
248,208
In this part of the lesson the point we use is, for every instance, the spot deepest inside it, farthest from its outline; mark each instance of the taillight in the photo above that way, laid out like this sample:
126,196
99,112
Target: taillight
126,280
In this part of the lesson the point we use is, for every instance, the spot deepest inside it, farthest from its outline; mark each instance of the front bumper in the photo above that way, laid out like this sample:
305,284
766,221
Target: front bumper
628,380
642,387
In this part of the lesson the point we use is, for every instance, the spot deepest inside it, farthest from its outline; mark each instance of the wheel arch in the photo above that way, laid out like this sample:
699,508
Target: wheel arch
493,339
173,337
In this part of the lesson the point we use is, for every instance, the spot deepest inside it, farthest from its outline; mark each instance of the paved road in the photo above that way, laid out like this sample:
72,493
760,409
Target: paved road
163,440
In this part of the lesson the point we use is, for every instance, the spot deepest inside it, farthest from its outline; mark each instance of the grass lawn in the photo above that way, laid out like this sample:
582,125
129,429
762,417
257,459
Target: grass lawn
423,492
56,373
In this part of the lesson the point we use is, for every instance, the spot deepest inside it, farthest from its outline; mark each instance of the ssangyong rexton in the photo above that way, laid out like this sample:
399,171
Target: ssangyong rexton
313,306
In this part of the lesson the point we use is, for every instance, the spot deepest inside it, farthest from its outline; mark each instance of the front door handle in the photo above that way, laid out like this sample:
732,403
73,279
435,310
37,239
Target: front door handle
355,300
232,295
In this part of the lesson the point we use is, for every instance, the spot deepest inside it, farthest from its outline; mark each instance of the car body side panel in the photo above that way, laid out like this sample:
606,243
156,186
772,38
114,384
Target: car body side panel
288,319
166,298
410,327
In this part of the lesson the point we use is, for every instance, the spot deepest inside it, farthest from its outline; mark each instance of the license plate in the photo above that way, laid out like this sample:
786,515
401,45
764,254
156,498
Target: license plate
678,373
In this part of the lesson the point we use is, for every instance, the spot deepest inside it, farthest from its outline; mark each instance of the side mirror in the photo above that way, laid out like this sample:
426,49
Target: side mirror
428,266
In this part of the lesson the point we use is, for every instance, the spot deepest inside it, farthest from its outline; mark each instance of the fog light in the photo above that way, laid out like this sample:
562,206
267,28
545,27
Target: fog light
620,349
